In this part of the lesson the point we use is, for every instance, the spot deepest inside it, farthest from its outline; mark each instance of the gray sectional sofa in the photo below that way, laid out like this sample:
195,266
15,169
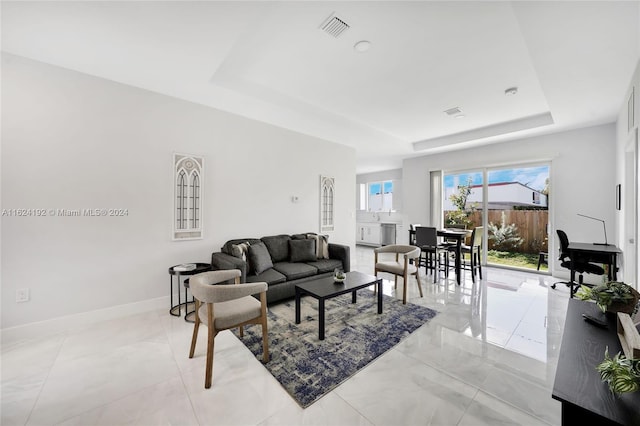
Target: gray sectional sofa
282,261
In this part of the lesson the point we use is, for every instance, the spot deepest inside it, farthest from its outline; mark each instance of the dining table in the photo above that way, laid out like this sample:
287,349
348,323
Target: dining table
456,234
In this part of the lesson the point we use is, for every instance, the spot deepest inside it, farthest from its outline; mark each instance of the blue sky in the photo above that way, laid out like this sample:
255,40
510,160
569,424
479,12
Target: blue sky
534,177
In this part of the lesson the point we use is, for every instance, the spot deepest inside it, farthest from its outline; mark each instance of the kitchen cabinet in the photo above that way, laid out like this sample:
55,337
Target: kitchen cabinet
368,234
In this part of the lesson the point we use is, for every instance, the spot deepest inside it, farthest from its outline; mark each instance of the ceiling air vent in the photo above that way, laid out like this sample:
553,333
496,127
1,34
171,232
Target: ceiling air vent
453,111
334,26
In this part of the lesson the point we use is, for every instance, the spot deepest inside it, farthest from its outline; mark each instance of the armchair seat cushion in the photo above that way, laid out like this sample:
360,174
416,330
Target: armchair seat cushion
326,265
232,312
294,271
270,276
395,268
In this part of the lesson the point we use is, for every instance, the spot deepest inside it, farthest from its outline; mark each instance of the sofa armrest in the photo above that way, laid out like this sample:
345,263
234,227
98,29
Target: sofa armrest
222,261
342,253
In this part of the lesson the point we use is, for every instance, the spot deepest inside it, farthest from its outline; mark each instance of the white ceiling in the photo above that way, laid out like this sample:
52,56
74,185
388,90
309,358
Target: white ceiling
571,61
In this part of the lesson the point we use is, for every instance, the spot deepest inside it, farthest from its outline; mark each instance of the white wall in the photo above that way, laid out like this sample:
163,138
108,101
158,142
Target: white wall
582,178
74,141
627,155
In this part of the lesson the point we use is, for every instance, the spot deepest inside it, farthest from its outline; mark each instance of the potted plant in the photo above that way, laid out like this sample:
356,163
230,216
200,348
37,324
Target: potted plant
613,296
622,374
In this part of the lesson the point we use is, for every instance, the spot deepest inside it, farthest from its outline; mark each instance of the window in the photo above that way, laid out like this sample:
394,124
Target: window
536,197
188,196
195,201
380,196
181,201
362,192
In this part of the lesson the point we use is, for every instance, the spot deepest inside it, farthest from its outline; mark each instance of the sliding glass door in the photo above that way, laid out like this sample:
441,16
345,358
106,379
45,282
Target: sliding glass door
511,203
518,216
463,199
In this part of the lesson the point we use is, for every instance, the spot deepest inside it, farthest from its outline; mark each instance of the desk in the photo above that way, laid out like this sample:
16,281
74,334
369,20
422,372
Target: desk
597,254
586,400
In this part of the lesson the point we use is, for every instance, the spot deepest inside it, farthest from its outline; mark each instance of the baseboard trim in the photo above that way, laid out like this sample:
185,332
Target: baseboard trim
52,326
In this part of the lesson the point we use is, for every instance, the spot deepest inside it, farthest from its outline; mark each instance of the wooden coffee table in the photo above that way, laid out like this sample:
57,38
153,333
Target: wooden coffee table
326,288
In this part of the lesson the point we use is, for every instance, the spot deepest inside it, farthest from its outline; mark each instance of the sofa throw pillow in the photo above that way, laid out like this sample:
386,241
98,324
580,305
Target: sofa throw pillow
314,238
278,246
240,250
302,250
322,245
259,258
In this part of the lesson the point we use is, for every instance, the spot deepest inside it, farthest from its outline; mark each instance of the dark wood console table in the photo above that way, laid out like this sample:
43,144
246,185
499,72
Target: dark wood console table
586,400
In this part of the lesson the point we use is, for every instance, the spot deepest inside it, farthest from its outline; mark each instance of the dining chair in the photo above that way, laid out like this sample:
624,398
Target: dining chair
435,255
224,306
474,250
412,233
401,267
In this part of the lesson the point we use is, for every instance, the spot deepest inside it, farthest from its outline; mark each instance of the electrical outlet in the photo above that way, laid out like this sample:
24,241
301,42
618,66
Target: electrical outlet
22,295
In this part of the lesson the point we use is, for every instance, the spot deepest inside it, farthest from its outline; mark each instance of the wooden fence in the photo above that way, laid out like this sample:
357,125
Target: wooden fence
531,226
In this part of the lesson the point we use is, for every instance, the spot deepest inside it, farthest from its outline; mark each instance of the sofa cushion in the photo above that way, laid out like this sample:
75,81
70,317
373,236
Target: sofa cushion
259,258
299,236
278,246
302,250
270,276
326,265
293,271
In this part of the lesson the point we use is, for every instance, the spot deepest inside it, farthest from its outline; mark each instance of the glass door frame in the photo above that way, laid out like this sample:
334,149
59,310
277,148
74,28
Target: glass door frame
485,202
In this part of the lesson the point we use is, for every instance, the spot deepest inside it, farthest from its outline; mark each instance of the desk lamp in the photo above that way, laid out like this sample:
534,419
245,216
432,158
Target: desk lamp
605,229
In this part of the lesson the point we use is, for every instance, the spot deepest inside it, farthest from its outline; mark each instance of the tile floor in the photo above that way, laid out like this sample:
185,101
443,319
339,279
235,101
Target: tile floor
487,358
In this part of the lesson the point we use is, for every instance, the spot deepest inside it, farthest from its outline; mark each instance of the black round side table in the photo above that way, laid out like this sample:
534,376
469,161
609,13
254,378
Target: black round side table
175,310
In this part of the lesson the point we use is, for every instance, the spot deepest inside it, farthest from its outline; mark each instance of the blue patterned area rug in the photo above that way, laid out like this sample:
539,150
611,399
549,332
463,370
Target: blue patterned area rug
355,335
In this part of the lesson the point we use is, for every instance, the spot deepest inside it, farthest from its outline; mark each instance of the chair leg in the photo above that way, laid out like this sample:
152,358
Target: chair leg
196,327
436,268
265,334
446,266
472,263
265,341
241,331
210,347
419,284
404,289
396,282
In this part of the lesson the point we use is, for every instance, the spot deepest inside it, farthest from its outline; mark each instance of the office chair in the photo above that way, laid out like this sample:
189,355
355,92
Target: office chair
581,265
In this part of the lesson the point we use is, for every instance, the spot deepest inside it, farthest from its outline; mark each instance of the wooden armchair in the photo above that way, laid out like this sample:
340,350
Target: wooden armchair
225,306
401,267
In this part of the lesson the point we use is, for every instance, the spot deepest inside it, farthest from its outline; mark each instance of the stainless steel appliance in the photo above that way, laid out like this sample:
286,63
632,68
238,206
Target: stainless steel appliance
388,231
